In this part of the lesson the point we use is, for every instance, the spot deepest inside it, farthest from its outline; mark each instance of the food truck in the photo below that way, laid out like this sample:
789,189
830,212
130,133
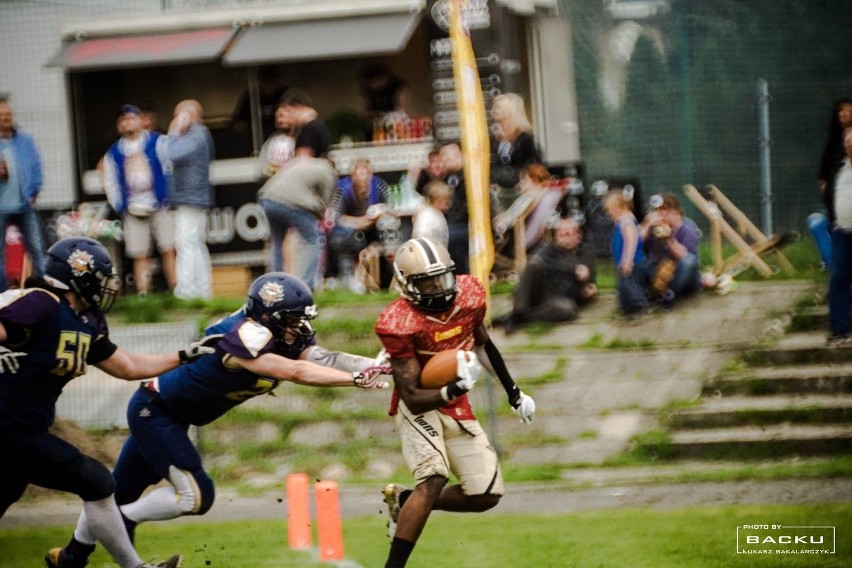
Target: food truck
233,57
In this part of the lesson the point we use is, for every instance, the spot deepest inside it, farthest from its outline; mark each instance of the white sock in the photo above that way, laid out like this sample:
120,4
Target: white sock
83,533
158,505
104,522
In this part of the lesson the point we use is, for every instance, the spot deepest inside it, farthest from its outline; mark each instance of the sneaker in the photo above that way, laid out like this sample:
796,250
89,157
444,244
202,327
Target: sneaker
58,558
837,339
391,493
175,561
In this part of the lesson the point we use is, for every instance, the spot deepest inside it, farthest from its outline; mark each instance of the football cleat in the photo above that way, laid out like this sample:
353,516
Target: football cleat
58,558
175,561
392,492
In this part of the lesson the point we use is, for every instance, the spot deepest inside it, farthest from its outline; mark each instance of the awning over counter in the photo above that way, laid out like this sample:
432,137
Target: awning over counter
244,36
143,50
323,39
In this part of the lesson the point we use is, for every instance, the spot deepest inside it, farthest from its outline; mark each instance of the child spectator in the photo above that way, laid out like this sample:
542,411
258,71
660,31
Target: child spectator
429,221
627,253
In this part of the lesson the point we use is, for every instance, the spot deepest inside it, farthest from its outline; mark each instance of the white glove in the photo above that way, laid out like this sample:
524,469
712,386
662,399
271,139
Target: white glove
525,408
9,360
369,378
196,349
468,369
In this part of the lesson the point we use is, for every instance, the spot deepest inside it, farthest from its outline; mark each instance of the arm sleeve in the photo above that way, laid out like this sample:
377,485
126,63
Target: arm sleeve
183,147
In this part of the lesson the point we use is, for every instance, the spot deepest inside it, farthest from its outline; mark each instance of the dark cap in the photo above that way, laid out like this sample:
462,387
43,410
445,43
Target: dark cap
129,109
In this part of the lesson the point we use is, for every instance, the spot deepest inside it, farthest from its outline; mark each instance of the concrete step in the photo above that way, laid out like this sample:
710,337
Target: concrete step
756,442
799,349
809,319
818,378
746,410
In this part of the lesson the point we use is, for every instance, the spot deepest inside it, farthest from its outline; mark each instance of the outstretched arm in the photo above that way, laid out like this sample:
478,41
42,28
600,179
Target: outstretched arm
343,361
307,373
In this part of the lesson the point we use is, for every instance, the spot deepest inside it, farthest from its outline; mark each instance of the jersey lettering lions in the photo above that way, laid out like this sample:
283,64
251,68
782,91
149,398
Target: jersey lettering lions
406,331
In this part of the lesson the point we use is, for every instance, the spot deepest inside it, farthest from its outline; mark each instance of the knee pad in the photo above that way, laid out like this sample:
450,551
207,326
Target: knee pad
96,481
194,489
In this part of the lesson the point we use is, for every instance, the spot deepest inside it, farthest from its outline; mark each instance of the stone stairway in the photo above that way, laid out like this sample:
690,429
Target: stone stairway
793,398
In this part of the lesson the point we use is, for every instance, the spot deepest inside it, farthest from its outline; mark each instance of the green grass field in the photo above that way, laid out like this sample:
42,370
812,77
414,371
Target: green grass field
697,538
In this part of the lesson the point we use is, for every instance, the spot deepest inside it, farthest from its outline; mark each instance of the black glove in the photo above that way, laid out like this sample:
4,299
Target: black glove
196,349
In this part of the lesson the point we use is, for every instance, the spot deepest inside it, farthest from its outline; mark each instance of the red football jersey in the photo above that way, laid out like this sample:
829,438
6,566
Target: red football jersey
406,331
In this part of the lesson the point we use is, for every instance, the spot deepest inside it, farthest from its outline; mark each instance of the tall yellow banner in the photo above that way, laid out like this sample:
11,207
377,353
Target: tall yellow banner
475,145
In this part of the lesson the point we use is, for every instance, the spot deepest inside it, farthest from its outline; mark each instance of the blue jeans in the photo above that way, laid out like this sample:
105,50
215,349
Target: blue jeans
281,218
631,292
346,243
840,281
818,226
29,223
687,276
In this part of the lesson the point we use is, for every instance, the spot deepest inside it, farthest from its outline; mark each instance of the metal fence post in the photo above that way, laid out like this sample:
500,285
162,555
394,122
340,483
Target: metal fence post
764,142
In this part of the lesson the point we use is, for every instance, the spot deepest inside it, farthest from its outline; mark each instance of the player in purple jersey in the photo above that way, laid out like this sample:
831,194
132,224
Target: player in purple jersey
268,341
49,332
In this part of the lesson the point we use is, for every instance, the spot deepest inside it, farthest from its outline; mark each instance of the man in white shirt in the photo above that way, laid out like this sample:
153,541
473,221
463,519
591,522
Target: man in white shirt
135,171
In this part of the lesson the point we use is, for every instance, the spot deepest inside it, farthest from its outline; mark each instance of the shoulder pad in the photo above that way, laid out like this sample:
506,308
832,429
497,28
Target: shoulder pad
254,336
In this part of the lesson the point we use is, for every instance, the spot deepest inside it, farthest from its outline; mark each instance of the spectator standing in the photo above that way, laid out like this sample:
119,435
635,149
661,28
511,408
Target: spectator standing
190,152
298,115
134,174
627,253
559,278
457,215
358,203
20,184
840,280
832,159
429,220
515,145
671,269
297,197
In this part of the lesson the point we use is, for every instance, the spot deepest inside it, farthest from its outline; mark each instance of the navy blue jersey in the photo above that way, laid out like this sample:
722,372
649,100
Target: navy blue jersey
59,343
204,390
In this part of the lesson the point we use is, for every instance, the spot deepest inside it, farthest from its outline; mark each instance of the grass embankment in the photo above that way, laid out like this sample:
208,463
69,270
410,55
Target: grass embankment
704,537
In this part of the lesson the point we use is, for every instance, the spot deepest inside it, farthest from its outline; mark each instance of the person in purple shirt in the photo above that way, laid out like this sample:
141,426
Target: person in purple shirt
671,269
268,341
50,331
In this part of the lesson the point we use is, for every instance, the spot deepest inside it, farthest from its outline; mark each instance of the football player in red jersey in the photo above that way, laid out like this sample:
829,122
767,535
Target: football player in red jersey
439,431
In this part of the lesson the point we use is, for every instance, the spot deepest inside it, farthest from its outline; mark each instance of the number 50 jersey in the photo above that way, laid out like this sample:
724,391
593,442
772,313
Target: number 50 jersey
58,343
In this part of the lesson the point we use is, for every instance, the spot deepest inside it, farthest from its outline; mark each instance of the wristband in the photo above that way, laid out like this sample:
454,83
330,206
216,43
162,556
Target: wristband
452,391
355,376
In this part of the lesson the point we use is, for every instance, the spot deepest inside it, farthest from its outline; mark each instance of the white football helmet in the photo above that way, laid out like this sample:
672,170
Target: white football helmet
425,274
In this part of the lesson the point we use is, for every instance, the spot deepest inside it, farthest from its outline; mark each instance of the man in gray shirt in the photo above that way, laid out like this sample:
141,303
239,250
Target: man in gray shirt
297,196
191,151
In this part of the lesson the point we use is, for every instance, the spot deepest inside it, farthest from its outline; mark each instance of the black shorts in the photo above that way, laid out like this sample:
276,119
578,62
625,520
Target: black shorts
45,460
